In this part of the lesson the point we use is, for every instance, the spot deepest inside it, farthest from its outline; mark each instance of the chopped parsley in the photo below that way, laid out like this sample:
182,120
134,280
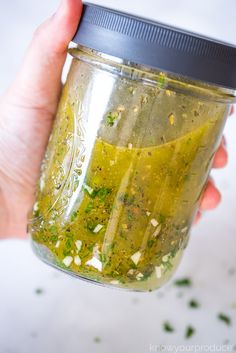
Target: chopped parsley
126,199
130,215
100,193
162,80
39,291
190,331
168,327
89,207
151,242
183,282
225,318
111,118
103,258
90,226
97,339
193,304
73,216
161,218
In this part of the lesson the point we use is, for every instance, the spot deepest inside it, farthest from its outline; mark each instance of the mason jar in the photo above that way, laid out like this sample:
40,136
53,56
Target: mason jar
139,121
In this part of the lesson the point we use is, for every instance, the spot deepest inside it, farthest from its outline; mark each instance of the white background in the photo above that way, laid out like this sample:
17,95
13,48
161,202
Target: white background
69,313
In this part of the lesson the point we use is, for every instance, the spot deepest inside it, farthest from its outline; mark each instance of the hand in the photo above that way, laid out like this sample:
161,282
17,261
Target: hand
27,111
212,197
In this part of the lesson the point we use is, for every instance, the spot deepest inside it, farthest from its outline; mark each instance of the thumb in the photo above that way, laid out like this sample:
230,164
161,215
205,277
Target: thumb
38,83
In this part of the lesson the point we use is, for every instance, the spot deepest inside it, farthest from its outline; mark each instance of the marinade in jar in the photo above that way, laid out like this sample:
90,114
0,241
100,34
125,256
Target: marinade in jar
117,209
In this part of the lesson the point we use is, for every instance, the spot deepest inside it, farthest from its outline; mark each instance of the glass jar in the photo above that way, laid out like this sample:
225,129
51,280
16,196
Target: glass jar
127,161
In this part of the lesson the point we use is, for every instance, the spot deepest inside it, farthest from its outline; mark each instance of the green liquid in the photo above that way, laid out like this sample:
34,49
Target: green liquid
133,210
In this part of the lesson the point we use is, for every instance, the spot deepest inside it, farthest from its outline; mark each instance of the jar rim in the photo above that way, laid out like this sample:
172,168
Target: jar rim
157,45
154,77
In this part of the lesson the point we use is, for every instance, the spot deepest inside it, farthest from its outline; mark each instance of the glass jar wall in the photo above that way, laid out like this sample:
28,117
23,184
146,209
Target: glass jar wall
124,171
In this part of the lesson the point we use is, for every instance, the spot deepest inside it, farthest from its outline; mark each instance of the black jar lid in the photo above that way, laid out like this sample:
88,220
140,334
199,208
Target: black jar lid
157,46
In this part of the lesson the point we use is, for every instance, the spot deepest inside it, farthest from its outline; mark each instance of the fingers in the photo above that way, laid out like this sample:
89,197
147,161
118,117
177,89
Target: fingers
211,198
197,217
39,80
221,156
55,34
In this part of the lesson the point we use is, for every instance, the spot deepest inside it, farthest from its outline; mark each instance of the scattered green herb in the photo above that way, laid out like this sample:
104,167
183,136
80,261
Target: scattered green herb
53,229
225,318
90,226
36,215
151,242
190,331
168,265
111,118
162,80
74,215
126,199
89,207
103,258
76,180
39,291
168,327
146,274
90,246
174,251
123,235
193,304
161,218
183,282
130,215
187,177
102,193
97,339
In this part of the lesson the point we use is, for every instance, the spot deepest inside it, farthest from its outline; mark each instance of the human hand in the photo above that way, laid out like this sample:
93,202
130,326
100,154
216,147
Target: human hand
211,196
27,112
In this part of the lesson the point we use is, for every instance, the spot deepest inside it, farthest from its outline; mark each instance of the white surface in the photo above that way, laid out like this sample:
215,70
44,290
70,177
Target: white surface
70,313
